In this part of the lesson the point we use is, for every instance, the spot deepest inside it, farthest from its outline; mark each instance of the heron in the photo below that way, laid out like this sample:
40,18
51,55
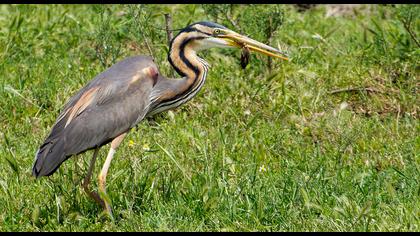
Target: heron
119,98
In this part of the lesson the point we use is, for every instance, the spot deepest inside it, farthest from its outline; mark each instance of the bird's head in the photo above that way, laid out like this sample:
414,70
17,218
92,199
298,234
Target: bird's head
205,35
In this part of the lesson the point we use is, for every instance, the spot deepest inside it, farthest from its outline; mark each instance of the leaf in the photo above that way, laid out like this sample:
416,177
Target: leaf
12,164
35,215
305,196
11,161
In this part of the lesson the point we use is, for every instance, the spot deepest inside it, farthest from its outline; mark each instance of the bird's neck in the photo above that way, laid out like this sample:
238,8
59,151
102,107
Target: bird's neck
193,68
175,92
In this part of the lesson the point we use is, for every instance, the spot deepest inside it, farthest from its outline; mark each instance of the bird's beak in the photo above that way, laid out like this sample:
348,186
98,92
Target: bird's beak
240,41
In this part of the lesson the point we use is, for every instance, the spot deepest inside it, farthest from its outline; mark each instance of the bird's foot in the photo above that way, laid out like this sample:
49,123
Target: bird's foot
106,214
107,205
95,196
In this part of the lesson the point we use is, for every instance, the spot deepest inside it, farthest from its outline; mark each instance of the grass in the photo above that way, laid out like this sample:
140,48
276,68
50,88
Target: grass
256,150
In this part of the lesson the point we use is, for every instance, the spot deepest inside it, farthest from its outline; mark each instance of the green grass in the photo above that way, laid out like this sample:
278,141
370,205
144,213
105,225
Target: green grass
255,150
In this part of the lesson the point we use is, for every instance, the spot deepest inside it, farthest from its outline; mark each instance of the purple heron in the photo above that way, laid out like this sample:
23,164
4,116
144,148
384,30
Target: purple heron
116,100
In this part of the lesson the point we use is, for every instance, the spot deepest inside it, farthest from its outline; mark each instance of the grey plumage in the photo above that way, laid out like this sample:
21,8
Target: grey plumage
91,128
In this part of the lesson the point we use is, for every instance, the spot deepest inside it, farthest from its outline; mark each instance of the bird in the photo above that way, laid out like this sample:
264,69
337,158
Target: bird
119,98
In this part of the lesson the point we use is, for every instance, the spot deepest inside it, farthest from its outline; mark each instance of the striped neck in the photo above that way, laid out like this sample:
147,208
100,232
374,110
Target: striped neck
185,61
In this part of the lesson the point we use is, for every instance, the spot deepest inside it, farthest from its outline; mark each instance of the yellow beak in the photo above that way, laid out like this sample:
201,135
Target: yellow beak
237,40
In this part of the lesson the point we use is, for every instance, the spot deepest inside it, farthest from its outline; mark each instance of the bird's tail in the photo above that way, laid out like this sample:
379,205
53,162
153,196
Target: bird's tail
49,157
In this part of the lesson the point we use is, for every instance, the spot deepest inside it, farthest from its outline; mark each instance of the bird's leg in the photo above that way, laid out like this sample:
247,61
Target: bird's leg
94,195
102,176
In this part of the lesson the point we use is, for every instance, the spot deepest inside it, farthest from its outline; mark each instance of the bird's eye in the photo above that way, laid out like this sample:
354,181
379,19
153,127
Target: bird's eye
216,31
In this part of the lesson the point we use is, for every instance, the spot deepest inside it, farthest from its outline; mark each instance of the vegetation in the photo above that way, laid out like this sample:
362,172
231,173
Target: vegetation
326,142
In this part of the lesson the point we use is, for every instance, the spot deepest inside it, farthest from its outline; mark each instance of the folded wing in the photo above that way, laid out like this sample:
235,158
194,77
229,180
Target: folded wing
111,104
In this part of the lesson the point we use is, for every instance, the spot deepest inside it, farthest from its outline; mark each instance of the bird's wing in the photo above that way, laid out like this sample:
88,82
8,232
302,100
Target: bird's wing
112,103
